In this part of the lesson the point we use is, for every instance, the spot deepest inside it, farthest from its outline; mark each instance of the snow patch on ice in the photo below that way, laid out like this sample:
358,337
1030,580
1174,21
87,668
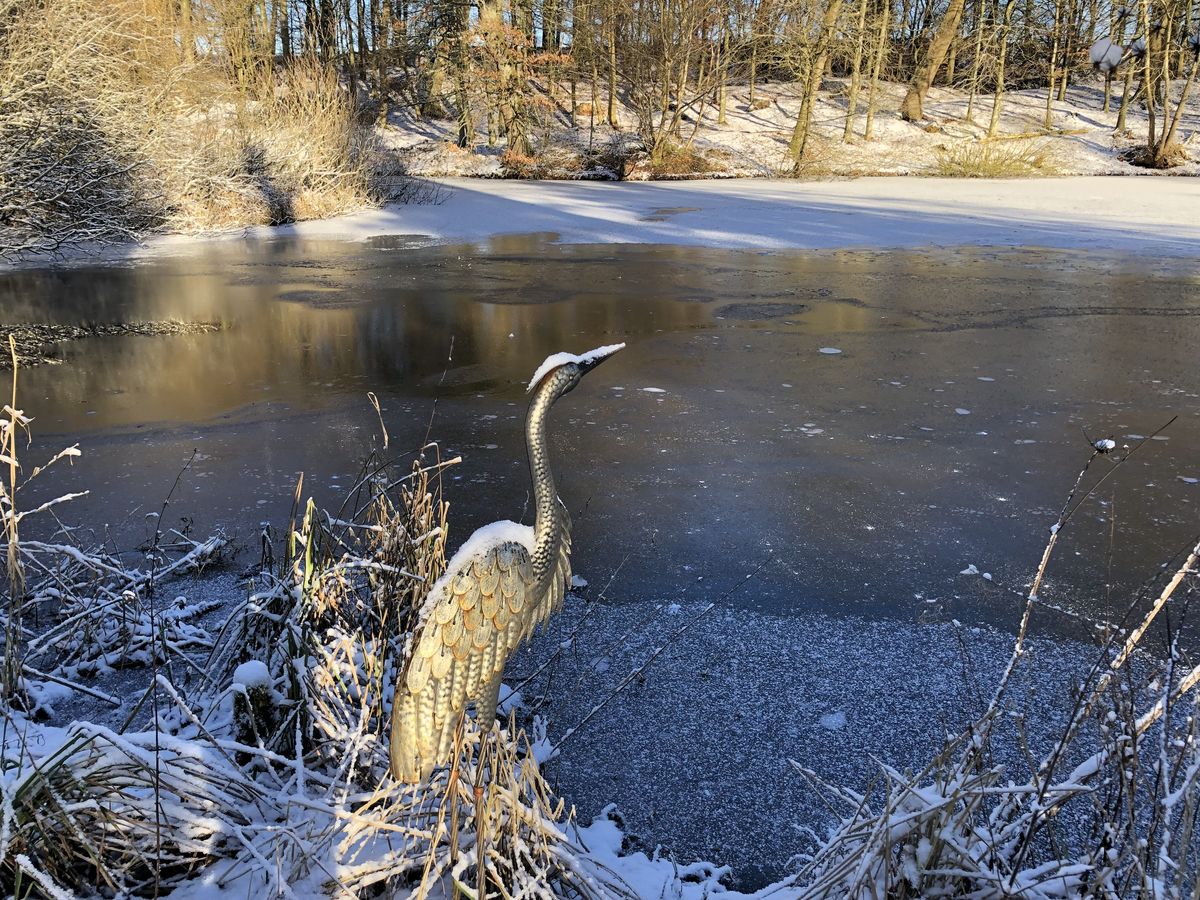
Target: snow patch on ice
658,876
833,721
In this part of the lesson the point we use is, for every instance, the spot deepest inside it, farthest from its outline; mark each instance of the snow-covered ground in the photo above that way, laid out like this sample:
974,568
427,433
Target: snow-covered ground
754,142
1154,216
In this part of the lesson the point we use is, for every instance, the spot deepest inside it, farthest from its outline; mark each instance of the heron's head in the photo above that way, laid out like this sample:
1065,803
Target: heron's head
565,370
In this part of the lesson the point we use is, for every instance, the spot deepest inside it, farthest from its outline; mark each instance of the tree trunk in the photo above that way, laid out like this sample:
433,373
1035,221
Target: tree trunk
1161,156
383,26
510,108
187,34
1001,59
753,69
1148,74
855,71
723,90
799,139
877,65
285,29
975,60
612,75
910,109
1126,96
1048,120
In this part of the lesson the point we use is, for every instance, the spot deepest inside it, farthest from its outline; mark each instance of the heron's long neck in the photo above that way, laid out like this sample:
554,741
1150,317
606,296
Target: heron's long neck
548,524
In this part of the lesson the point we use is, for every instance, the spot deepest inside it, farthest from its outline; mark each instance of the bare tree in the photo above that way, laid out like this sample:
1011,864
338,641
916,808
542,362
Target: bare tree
813,55
860,36
911,109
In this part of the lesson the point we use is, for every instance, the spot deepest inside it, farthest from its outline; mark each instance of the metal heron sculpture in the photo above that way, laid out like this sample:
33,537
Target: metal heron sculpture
501,584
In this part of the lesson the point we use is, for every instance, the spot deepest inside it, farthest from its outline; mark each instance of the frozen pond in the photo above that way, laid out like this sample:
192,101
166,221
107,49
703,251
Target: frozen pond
729,438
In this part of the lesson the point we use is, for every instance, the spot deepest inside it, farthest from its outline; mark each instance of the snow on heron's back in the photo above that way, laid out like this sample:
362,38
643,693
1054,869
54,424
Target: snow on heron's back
484,539
554,360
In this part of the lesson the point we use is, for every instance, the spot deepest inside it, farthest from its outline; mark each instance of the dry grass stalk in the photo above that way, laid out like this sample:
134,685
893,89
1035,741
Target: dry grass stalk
310,802
965,827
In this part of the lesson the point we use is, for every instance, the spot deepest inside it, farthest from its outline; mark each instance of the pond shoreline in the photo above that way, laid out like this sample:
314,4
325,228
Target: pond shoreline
1093,213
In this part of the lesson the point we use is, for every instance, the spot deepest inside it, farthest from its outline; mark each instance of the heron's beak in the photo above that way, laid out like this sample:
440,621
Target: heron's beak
593,358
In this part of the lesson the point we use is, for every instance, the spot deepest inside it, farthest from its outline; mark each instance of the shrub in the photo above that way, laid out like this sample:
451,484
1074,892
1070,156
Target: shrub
678,160
994,160
108,130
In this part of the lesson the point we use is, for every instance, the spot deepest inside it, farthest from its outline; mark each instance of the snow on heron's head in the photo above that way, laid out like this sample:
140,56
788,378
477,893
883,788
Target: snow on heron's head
585,361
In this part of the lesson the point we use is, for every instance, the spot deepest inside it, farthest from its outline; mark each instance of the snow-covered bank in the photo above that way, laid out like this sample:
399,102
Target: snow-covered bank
1083,138
1098,213
1095,213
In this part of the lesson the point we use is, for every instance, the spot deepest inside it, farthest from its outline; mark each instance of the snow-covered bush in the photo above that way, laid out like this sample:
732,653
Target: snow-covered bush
109,128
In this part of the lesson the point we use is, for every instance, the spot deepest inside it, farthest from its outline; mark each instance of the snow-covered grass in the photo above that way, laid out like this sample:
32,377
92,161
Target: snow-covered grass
1108,811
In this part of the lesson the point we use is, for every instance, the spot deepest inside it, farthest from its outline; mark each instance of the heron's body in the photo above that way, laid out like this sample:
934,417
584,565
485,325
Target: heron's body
502,583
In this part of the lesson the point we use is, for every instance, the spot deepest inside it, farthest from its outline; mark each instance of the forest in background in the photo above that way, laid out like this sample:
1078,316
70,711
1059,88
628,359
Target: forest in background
121,117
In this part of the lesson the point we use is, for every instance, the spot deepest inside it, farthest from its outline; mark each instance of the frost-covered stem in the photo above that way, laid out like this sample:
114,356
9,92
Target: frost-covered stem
1019,644
16,576
73,685
1164,805
1135,636
1083,708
